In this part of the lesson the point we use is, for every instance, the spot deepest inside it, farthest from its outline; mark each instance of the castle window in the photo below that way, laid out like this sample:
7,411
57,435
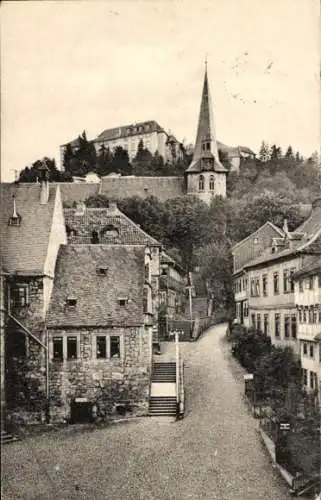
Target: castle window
102,271
212,183
122,301
208,146
71,302
201,183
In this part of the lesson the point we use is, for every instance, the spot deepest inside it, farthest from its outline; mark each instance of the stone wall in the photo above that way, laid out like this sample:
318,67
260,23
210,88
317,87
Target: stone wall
25,376
105,382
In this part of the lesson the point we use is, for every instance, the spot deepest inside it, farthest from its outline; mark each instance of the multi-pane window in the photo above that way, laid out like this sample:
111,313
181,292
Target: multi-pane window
276,284
319,280
253,320
309,283
304,315
312,378
287,326
147,272
58,352
107,346
310,315
101,347
71,347
314,315
114,347
266,324
212,183
293,326
277,325
311,350
292,271
305,348
301,286
20,295
300,315
264,285
201,183
246,309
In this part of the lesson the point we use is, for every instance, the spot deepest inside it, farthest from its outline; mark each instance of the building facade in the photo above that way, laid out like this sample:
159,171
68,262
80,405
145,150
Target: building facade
32,229
172,286
100,331
307,291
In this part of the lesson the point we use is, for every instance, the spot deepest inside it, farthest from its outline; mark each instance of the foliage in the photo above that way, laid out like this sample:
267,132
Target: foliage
32,174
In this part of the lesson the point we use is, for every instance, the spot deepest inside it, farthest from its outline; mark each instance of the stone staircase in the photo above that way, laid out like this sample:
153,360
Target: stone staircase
163,390
6,437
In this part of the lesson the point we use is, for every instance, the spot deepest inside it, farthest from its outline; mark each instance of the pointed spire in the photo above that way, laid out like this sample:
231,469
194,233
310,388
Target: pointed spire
206,152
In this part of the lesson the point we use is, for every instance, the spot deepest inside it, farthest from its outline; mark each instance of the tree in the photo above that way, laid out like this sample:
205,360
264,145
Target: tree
32,174
265,152
120,162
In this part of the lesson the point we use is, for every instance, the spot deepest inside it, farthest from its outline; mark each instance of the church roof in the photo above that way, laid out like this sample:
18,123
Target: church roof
206,137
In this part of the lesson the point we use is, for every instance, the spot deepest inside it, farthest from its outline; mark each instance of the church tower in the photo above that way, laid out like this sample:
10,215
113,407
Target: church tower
206,176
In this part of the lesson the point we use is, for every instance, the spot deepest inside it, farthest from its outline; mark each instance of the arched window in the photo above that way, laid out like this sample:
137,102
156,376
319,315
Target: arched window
212,183
201,183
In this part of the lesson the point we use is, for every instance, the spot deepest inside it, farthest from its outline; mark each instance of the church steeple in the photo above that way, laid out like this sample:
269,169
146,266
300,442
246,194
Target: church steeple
205,157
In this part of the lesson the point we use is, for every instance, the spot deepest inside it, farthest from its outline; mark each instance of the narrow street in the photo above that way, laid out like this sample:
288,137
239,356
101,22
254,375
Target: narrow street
214,453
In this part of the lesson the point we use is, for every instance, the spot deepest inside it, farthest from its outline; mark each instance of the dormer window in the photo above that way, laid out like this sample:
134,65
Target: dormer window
15,221
71,302
102,270
122,301
20,295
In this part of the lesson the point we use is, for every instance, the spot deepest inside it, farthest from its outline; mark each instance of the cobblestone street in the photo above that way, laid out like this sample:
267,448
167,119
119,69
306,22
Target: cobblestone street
214,453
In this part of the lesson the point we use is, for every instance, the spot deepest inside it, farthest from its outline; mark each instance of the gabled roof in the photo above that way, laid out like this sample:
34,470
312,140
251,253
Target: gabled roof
129,130
97,295
268,223
125,231
24,248
206,134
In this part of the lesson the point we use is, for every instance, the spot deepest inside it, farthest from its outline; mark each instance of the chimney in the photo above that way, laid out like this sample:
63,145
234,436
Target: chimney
44,183
285,227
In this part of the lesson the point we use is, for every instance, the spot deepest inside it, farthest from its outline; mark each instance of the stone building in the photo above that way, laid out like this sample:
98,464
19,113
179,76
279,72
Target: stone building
112,227
32,229
100,330
307,297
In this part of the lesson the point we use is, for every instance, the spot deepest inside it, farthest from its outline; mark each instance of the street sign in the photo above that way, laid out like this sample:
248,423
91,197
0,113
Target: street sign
248,376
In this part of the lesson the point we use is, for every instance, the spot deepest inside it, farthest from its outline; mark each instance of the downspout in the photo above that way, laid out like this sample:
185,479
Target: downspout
47,375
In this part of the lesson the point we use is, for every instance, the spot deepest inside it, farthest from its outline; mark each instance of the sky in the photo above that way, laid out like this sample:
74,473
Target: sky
69,66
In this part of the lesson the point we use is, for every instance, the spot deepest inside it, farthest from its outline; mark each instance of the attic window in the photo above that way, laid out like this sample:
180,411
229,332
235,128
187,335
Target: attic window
122,301
14,220
71,302
102,271
255,241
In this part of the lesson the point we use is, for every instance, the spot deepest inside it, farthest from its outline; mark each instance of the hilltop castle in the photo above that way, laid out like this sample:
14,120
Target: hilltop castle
205,177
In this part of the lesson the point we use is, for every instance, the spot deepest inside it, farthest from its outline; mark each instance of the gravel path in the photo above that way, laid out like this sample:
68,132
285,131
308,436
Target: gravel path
214,453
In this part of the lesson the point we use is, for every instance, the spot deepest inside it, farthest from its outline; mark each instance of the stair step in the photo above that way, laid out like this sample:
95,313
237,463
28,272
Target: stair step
6,437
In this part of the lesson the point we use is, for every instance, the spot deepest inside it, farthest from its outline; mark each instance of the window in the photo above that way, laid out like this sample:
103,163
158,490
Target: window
253,320
20,295
300,286
258,322
287,326
311,350
102,271
266,324
277,325
115,347
145,301
286,281
305,348
212,183
71,302
94,237
300,315
147,272
319,280
71,347
201,183
276,286
245,309
264,285
57,349
310,314
304,315
312,378
257,287
309,283
15,220
101,347
293,326
314,315
292,271
305,377
122,301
